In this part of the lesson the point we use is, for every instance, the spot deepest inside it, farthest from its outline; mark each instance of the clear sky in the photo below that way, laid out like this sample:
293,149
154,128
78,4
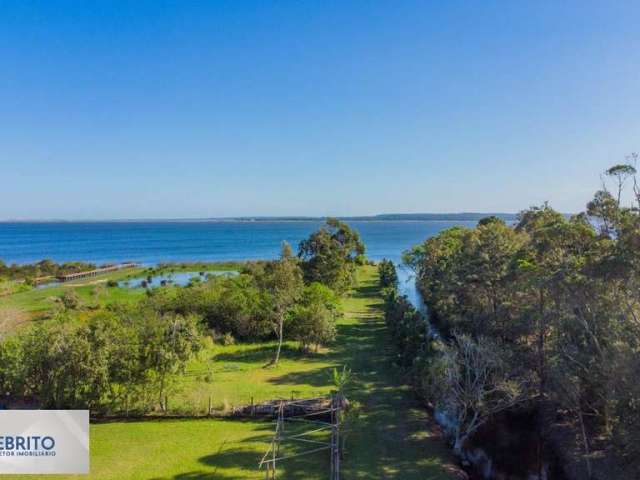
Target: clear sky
196,109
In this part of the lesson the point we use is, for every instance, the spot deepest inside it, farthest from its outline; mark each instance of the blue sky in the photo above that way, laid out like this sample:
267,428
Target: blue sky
196,109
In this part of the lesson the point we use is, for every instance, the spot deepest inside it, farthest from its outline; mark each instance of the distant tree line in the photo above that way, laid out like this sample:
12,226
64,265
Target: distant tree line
544,312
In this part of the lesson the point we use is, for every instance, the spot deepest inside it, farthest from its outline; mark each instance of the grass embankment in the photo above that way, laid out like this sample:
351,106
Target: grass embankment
390,440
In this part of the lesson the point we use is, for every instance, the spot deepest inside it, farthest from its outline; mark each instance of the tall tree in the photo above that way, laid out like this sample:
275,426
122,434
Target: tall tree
330,255
283,281
167,342
621,173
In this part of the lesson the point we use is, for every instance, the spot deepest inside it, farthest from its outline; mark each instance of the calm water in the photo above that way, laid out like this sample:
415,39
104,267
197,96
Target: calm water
175,278
154,242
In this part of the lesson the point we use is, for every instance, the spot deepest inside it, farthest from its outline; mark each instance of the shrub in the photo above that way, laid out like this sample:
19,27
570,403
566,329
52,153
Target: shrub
314,319
70,300
387,273
233,305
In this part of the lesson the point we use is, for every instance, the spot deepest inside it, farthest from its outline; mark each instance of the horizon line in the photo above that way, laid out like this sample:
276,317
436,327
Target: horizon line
249,218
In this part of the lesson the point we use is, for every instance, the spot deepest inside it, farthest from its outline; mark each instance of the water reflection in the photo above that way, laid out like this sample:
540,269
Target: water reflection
407,286
173,278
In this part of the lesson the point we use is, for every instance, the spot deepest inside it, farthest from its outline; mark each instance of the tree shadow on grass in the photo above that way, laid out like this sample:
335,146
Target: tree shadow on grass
261,354
320,377
366,291
199,475
354,341
304,467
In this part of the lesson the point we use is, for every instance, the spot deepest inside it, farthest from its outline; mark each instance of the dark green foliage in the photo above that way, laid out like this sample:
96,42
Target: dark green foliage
234,305
330,255
558,297
627,411
110,363
313,320
407,327
250,306
489,220
387,273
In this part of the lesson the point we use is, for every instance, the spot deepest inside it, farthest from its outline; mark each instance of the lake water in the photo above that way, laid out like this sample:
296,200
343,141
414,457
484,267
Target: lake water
154,242
172,278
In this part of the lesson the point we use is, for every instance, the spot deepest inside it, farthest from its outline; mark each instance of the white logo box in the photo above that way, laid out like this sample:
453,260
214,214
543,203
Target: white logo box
44,441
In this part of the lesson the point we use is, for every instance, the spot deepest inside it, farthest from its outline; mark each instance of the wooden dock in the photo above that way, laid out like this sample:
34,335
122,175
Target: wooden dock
96,272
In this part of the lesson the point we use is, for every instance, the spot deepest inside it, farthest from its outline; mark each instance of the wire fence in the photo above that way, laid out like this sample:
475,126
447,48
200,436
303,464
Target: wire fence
304,435
190,404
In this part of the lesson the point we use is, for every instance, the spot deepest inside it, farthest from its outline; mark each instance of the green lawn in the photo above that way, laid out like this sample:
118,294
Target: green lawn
235,374
391,440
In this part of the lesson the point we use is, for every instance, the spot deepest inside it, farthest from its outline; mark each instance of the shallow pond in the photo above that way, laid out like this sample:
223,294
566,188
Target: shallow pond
172,278
169,278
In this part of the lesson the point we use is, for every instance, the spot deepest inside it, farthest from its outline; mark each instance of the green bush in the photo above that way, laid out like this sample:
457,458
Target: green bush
70,300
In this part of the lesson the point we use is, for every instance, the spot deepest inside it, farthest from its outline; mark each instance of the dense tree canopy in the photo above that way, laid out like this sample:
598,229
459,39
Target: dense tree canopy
313,320
330,254
387,274
558,296
115,361
234,305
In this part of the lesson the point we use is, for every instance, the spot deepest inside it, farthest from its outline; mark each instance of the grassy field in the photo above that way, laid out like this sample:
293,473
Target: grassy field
36,303
234,375
391,439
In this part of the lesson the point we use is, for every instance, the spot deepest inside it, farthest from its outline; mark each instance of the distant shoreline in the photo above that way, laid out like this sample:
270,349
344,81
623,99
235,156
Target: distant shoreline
408,217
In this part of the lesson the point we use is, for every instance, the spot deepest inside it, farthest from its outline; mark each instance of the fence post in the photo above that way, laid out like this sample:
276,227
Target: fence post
209,405
332,442
335,436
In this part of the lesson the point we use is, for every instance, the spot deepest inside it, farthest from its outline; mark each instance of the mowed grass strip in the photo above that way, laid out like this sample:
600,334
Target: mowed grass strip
392,439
